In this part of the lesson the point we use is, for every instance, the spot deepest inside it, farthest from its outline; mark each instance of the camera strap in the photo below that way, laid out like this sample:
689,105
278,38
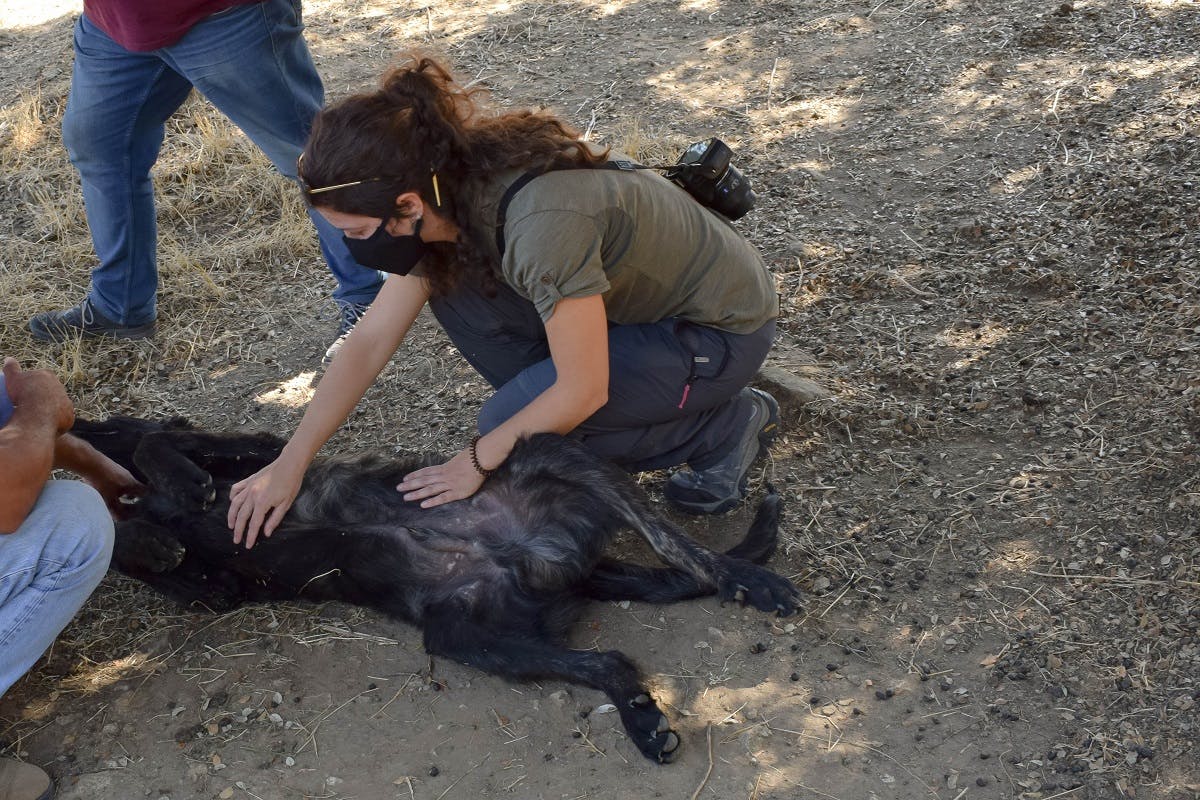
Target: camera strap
520,183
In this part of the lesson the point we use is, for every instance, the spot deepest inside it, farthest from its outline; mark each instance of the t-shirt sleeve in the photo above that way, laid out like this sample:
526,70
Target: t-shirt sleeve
6,406
550,255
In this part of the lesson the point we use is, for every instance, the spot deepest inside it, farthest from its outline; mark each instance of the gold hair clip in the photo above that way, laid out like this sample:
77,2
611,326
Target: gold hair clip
340,186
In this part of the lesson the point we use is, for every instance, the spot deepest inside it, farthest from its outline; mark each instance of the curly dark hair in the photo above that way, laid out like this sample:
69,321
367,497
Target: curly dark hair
419,123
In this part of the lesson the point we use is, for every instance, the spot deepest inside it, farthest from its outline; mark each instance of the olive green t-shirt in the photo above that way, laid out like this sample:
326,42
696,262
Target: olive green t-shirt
639,240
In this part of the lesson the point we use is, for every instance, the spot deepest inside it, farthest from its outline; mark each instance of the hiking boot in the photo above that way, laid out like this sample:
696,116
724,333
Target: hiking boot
349,315
21,781
83,321
722,486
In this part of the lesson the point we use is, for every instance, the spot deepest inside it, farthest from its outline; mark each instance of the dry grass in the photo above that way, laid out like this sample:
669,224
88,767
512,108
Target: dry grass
228,223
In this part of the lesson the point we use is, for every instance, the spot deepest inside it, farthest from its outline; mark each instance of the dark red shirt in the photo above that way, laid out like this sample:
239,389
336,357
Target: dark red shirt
142,25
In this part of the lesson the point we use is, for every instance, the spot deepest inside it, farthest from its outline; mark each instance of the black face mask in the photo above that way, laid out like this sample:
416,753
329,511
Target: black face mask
395,254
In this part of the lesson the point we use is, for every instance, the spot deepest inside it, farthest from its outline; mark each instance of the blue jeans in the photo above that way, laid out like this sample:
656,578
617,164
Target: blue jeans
673,386
48,568
252,63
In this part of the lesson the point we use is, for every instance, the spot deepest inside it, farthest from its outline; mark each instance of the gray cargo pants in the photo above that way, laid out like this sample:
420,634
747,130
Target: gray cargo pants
673,385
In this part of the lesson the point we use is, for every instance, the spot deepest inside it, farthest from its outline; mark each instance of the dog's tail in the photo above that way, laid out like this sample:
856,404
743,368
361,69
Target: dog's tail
618,580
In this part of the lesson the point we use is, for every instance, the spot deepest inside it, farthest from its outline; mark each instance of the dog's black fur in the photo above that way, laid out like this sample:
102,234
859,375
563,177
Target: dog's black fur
493,581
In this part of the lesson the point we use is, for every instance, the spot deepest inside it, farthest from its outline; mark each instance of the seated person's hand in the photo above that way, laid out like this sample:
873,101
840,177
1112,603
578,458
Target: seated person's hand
113,482
39,388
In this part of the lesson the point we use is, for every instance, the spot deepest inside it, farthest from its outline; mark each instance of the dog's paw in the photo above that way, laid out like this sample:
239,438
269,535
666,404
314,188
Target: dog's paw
191,489
649,729
143,551
752,585
163,554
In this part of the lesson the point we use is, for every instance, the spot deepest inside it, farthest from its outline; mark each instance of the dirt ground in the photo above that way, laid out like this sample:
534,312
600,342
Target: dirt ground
984,223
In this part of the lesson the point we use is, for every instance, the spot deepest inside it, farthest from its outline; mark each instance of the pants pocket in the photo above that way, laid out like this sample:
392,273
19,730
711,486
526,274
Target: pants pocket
707,348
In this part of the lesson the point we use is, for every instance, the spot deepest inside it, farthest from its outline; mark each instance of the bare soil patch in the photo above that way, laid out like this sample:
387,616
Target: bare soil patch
984,223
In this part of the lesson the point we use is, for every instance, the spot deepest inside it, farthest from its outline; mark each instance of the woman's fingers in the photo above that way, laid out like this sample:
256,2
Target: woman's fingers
274,520
423,491
237,500
420,478
242,518
235,507
448,496
256,523
433,486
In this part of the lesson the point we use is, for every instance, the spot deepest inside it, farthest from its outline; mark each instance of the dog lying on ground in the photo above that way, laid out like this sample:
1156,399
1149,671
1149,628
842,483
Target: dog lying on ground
493,581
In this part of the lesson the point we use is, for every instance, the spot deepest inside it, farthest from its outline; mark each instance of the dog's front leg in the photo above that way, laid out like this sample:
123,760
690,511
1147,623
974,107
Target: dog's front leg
172,474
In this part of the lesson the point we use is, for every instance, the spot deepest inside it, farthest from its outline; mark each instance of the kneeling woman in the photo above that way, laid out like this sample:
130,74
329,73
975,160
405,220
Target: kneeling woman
604,303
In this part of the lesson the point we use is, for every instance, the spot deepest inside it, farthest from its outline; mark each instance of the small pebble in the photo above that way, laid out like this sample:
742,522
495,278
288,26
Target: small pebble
981,781
434,771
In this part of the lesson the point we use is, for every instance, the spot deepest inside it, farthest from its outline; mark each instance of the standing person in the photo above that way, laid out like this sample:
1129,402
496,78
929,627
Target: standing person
135,64
620,310
55,536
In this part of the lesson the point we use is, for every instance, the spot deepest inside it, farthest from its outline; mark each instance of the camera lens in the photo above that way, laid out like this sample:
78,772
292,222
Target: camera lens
705,172
732,196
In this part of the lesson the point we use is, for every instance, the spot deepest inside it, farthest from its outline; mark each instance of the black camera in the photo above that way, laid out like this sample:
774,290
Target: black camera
705,172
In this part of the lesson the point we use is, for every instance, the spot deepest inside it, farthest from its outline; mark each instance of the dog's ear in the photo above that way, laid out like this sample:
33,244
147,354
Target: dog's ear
178,424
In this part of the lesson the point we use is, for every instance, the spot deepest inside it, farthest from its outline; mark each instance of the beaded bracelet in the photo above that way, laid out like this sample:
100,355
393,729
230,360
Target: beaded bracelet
475,459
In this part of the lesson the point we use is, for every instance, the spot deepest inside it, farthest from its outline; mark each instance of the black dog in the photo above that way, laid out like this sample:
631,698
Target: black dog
493,581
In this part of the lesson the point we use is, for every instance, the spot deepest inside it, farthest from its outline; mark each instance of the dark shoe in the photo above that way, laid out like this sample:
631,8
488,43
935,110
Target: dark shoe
83,321
21,781
722,486
349,315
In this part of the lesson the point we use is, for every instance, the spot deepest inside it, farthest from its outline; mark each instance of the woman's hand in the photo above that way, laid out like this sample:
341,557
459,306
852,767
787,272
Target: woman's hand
259,502
443,483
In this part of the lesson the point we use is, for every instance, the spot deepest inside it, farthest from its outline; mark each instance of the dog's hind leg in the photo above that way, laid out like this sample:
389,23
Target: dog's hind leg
731,578
524,657
543,457
618,580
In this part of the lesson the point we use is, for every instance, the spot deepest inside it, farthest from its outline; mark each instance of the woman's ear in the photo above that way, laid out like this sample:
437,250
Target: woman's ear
409,205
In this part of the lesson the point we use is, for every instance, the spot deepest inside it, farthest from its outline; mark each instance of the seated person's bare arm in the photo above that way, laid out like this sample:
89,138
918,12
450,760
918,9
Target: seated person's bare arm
35,441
